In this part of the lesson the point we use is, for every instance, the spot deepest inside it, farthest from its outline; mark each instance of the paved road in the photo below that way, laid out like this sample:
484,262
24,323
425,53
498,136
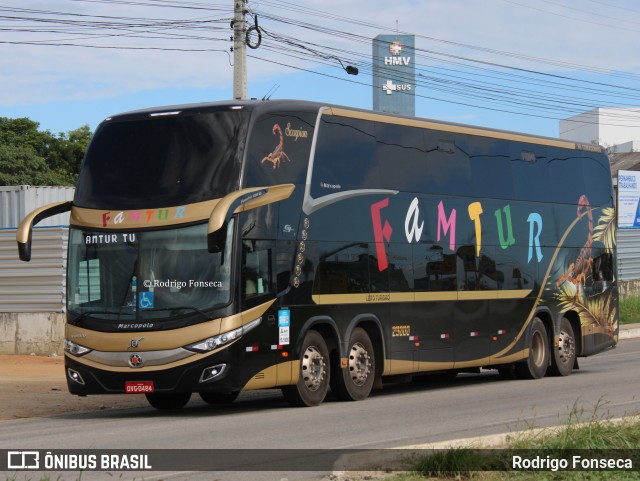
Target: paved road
399,415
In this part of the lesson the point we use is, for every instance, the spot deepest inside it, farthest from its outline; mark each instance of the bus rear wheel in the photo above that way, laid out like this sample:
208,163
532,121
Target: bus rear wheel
168,401
313,377
356,381
535,367
564,350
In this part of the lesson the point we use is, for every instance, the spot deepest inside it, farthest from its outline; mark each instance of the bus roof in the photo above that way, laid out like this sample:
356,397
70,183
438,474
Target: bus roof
260,106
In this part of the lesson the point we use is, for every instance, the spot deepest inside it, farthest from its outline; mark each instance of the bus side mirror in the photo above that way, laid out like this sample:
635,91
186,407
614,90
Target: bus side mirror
240,201
24,249
217,239
25,229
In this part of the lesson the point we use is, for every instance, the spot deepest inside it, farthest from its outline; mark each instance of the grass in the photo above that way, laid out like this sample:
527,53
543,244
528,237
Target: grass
576,437
630,310
615,439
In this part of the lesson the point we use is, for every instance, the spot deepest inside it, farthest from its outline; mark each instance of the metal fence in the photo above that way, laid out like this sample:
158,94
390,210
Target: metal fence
39,285
629,254
18,200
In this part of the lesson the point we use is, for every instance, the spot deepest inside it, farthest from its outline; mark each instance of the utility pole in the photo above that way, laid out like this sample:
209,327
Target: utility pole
239,51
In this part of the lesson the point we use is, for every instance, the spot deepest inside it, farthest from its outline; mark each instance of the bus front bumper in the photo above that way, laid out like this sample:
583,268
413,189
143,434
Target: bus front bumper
210,374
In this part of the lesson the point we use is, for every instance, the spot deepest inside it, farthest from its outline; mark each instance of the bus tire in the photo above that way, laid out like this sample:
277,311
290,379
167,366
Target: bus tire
219,397
313,378
563,356
354,383
168,401
535,367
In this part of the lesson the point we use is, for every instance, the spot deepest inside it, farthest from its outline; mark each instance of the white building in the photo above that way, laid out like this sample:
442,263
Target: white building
616,129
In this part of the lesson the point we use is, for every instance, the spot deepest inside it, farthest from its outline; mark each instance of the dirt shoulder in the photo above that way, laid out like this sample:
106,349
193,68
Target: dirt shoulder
35,386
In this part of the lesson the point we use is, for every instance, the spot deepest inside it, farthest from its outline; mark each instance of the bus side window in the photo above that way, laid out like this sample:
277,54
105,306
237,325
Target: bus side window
88,289
256,270
602,269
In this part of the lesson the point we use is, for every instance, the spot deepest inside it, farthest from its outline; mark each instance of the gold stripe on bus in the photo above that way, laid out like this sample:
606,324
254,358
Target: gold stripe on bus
176,215
377,297
435,296
394,367
279,375
494,294
458,129
159,340
492,360
104,367
147,217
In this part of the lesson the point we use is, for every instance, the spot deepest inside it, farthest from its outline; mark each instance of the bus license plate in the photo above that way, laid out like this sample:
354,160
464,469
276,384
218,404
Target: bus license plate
138,387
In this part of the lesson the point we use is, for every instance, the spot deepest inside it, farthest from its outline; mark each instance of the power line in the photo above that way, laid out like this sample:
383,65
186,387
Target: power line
467,80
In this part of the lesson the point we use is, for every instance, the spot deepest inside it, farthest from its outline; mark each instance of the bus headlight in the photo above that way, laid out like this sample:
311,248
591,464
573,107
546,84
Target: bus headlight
75,349
225,338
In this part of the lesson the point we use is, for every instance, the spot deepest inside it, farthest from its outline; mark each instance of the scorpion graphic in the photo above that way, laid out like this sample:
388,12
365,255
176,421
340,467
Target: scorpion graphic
577,271
278,153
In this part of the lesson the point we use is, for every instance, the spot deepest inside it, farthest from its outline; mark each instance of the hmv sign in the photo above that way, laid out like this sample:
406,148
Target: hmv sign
394,74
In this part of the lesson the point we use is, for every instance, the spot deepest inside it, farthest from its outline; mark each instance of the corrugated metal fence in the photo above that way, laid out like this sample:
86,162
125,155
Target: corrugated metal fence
629,254
39,285
18,200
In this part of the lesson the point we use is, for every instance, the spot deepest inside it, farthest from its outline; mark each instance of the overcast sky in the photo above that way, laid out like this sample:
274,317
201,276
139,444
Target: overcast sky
509,64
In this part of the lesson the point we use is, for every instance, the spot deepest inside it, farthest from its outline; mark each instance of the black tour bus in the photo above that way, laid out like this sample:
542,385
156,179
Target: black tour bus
239,245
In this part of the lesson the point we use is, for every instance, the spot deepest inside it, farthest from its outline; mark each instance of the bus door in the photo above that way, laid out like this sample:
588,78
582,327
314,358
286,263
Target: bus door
508,311
472,314
258,285
431,314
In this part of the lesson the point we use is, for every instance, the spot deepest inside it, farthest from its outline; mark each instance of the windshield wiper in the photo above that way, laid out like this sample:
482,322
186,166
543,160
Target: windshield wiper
159,309
79,318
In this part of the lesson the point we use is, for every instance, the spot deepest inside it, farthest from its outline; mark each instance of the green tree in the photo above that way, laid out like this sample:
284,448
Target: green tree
67,151
19,164
31,156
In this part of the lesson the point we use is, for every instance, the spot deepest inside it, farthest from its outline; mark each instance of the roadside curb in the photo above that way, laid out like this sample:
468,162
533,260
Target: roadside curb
401,458
629,331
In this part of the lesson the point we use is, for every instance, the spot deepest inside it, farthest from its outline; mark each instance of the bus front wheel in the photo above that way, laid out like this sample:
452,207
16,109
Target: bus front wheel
535,367
167,401
313,377
354,383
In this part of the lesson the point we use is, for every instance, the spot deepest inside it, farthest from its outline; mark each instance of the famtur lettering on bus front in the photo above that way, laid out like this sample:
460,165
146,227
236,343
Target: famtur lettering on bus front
137,216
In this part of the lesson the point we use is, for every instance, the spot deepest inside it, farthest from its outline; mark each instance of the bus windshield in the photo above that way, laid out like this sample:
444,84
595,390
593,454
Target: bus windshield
167,160
143,275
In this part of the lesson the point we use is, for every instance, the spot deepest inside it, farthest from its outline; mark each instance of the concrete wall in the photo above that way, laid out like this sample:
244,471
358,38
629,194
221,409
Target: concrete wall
629,288
39,333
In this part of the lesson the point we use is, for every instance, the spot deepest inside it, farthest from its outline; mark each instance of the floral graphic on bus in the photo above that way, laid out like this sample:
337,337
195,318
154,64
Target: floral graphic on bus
278,153
595,306
578,270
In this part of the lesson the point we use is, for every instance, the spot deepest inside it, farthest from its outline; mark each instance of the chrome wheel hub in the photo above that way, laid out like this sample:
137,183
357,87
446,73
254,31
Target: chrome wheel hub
313,368
359,364
566,347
